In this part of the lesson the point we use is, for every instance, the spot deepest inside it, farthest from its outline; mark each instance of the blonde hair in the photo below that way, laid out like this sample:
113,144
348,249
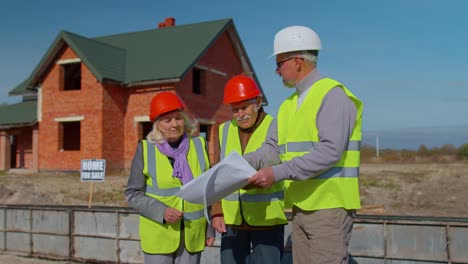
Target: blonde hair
190,127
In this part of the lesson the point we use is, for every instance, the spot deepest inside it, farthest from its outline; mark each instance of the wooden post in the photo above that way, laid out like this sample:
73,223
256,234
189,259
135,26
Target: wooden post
90,194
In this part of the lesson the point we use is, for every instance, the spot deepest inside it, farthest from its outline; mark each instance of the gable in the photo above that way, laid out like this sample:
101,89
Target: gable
162,55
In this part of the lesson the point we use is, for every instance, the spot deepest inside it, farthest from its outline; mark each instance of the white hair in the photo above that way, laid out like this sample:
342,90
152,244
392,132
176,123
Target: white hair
309,56
190,127
305,55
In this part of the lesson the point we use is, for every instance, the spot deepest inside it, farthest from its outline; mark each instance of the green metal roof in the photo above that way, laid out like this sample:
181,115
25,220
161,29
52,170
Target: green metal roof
104,61
19,114
21,88
165,53
151,55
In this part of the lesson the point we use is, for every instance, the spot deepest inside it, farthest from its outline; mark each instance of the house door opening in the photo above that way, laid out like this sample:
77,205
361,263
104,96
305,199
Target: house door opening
13,151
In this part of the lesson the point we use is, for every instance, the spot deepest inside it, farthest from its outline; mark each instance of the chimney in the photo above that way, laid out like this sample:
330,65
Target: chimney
168,22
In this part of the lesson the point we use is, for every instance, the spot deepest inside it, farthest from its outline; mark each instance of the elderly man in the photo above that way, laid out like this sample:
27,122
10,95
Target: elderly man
316,143
251,221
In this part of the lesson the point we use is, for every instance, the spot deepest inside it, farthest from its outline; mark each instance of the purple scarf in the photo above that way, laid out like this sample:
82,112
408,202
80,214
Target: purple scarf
181,167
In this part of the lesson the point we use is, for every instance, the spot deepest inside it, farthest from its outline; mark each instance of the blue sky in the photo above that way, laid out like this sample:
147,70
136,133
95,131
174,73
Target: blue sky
406,59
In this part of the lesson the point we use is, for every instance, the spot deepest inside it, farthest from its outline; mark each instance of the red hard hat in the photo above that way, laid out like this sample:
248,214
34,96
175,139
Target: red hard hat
164,102
240,88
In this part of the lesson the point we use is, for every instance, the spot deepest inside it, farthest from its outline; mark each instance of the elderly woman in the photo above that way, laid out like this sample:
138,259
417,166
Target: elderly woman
171,230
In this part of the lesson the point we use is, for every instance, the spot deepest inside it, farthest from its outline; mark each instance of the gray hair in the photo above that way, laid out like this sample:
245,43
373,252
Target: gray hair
190,127
306,55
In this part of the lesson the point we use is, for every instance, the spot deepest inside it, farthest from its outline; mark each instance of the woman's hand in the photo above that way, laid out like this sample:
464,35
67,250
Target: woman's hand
210,241
172,215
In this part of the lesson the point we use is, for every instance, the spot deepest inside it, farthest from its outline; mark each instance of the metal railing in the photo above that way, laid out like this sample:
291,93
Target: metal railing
110,235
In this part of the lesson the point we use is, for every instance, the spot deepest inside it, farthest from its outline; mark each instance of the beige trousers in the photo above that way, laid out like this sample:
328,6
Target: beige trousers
322,236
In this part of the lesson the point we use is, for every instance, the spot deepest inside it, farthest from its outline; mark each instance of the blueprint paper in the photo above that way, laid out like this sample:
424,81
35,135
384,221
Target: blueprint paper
229,175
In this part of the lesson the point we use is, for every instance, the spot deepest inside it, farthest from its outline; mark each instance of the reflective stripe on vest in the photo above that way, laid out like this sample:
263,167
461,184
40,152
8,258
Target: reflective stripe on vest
255,207
307,146
298,135
189,216
256,198
158,171
152,170
222,152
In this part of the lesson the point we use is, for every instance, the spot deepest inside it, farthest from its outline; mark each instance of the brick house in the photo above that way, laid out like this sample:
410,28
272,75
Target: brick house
89,97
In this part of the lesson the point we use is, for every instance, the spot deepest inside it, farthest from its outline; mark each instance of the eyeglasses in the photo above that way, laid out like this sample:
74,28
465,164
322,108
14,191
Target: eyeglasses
280,63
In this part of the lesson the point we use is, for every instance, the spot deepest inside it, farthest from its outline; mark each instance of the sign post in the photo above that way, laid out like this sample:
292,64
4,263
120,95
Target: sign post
92,170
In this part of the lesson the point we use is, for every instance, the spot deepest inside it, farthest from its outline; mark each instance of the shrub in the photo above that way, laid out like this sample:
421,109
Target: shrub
463,151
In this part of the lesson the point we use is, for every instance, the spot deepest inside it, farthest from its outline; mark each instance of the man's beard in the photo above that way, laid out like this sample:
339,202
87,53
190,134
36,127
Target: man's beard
247,116
289,84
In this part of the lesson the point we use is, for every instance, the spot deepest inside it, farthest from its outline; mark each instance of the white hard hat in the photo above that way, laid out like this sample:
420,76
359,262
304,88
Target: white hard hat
296,38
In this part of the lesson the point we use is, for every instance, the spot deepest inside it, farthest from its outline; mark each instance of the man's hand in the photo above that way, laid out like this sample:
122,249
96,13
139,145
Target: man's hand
217,223
172,215
264,178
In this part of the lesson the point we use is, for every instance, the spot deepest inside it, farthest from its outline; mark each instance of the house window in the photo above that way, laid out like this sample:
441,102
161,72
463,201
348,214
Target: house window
198,81
205,132
70,76
69,135
144,129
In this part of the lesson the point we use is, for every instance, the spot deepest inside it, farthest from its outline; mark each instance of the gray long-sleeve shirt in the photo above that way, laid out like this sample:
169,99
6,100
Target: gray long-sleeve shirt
136,188
335,123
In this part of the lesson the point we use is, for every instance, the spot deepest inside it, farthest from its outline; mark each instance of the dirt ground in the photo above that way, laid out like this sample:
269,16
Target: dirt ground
429,189
435,189
10,258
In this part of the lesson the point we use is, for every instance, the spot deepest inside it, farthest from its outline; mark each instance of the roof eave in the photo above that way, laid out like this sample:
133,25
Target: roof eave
24,93
153,82
9,126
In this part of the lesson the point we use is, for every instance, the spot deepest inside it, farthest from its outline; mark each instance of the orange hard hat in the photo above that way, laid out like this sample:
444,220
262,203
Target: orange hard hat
240,88
164,102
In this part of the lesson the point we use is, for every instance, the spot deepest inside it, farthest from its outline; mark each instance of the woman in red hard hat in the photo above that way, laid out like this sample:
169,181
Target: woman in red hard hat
171,229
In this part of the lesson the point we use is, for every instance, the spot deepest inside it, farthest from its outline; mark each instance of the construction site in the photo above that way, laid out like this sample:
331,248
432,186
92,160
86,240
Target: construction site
52,210
411,213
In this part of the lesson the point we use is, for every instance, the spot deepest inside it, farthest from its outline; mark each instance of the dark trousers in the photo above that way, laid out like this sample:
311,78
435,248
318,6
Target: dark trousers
248,246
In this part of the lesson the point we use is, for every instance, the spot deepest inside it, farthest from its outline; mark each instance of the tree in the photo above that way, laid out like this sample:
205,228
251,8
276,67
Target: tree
423,151
463,151
448,149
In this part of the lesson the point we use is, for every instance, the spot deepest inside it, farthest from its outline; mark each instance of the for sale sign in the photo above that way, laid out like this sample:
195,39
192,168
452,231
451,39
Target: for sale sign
93,170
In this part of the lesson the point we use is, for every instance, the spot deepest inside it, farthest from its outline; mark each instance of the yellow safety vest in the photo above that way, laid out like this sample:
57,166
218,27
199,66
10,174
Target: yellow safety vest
337,187
159,238
258,207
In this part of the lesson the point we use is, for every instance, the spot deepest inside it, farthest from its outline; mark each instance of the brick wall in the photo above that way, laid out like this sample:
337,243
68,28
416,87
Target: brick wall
115,105
86,102
138,106
23,153
220,57
109,129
